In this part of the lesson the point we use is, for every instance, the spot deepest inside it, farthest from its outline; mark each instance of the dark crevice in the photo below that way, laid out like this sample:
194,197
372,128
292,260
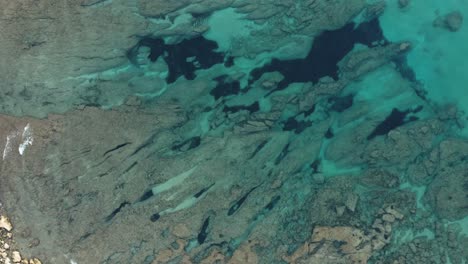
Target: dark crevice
309,112
297,127
85,236
116,211
258,148
239,202
315,165
329,134
203,234
202,191
282,154
272,203
201,15
117,148
188,144
147,195
341,103
145,144
130,167
254,107
93,3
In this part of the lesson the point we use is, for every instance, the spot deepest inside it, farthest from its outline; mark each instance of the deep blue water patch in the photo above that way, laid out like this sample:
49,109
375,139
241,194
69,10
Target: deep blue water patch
394,120
147,195
329,134
203,234
297,126
252,108
187,145
327,50
183,58
225,87
239,202
155,217
341,103
116,211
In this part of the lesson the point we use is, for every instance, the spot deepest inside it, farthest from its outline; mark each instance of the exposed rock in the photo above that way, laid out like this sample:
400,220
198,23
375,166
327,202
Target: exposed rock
375,9
270,80
5,223
351,201
392,211
8,246
15,256
388,218
360,62
341,244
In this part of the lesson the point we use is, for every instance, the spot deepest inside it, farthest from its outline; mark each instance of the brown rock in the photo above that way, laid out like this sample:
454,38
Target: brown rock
355,249
245,255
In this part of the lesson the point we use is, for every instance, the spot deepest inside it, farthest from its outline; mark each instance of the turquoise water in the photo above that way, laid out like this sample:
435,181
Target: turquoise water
235,132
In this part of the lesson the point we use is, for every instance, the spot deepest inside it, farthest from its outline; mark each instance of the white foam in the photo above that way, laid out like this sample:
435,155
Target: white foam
8,148
27,139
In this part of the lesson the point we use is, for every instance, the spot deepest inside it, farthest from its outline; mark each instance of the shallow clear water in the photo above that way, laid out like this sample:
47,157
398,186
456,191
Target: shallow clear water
234,132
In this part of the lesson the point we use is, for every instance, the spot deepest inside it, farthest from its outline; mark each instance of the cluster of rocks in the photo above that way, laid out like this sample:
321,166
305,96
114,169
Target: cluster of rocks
250,195
332,202
448,243
347,244
8,255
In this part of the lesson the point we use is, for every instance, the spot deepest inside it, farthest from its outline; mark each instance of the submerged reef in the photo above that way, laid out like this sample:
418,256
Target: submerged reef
240,132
